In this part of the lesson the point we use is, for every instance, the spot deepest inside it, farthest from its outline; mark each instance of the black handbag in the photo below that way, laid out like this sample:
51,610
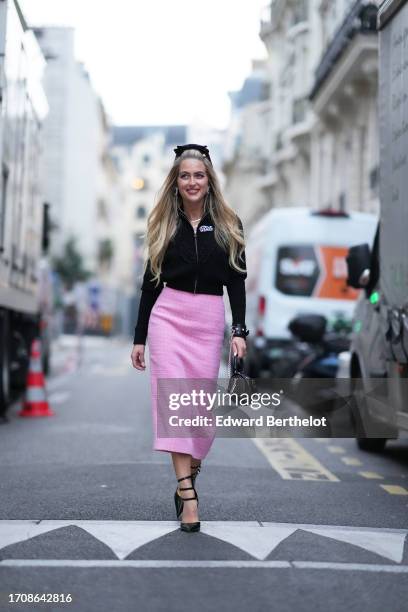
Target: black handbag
239,382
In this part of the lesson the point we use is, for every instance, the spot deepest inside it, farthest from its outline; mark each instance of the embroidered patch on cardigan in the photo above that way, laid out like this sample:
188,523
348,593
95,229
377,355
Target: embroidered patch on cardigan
206,228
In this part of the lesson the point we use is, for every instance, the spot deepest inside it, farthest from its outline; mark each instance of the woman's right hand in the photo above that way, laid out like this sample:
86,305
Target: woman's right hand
137,357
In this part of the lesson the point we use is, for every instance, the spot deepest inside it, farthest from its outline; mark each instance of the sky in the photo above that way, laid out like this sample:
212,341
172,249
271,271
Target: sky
160,61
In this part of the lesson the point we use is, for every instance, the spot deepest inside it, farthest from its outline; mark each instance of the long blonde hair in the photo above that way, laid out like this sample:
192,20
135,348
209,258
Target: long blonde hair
163,219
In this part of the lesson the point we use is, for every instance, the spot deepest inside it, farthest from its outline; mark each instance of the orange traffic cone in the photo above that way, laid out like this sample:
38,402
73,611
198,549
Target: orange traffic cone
35,404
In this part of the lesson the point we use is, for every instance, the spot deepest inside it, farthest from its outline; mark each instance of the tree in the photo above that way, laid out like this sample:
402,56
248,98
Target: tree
70,266
105,252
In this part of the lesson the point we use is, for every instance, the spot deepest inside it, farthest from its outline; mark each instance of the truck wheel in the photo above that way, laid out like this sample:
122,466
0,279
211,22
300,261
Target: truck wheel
372,445
4,363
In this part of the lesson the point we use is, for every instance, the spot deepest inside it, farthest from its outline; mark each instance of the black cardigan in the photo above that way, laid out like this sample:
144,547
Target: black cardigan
194,263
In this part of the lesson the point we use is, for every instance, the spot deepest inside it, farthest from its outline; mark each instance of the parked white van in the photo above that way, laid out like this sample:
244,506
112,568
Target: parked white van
296,265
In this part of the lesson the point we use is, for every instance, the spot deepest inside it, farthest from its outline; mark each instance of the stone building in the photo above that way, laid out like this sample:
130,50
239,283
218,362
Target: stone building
312,140
344,149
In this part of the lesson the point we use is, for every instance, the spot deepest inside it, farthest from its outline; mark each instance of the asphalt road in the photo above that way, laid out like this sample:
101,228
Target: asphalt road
86,509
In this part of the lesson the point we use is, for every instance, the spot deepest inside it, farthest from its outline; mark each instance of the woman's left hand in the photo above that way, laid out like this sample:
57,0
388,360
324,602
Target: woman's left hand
238,346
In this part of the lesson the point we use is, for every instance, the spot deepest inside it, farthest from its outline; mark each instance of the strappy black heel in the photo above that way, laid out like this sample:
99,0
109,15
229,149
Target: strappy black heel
179,503
194,475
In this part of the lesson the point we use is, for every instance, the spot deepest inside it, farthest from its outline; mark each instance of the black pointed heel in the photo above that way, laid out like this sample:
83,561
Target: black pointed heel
179,503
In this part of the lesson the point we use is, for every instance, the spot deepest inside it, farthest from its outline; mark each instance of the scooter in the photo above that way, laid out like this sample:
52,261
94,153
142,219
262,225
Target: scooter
318,349
318,353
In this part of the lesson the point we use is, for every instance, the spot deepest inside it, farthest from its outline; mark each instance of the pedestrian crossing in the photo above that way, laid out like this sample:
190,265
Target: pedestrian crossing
253,540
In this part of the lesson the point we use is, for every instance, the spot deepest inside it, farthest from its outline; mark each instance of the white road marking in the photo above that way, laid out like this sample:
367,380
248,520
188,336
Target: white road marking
388,545
395,489
372,475
122,538
189,564
292,461
259,540
12,532
351,460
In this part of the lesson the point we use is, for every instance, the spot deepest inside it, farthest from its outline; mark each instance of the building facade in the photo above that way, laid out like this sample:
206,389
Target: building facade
75,131
315,136
345,147
245,145
291,34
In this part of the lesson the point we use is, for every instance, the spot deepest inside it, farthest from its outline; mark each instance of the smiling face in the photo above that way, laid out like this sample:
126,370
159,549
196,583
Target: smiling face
192,180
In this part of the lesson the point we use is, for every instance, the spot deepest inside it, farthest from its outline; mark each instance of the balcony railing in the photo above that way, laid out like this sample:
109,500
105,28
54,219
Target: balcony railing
362,18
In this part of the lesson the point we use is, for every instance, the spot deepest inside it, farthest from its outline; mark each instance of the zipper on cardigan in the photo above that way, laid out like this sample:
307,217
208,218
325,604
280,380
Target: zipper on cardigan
195,243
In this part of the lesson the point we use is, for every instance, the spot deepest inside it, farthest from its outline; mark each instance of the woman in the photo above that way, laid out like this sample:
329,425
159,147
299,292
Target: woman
196,246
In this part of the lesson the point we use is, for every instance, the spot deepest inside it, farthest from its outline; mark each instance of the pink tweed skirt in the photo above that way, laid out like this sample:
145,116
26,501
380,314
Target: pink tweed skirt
185,338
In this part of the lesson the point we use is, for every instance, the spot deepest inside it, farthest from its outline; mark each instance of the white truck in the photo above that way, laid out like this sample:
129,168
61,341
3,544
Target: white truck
379,350
23,214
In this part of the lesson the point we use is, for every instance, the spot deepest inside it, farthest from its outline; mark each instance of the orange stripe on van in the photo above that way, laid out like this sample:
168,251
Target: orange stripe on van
332,282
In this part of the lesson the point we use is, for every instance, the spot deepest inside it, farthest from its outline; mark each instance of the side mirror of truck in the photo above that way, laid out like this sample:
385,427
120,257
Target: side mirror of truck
308,327
358,266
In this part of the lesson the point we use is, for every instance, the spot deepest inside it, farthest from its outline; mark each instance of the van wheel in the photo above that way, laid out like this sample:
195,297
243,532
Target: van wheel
372,445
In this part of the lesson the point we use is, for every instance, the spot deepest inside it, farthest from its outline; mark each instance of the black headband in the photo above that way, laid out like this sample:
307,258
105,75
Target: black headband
203,149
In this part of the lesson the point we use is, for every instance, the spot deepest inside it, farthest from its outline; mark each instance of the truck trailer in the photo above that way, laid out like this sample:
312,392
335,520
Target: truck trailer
23,213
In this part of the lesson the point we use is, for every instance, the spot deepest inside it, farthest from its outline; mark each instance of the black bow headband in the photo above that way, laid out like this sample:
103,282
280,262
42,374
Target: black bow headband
203,149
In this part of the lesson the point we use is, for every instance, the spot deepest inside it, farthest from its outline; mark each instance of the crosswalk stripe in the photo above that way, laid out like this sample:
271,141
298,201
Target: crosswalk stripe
123,538
12,532
259,540
388,545
190,564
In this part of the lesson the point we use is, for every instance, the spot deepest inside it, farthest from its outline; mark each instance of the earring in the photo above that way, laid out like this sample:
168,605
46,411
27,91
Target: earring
176,192
208,190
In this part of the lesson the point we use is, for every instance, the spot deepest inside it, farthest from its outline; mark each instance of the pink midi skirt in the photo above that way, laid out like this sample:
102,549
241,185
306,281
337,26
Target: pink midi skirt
185,338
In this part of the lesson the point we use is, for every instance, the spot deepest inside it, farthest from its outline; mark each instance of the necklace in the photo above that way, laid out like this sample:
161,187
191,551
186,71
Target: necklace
194,220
